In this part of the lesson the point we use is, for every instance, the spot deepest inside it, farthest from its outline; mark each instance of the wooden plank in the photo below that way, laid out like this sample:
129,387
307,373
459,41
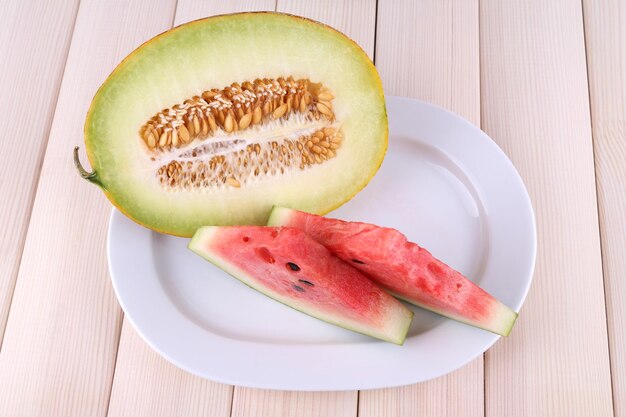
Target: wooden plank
535,105
444,396
189,10
265,403
145,384
606,62
63,330
356,20
429,50
33,35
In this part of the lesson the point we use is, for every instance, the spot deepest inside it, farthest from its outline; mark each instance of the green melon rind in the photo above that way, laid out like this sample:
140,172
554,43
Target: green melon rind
119,105
502,322
207,234
503,318
280,216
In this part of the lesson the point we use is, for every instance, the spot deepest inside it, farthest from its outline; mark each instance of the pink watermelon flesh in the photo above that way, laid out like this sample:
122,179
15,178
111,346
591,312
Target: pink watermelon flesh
289,266
403,268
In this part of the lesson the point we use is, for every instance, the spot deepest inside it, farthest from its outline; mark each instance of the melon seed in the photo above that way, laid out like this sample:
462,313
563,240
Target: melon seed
326,103
256,115
196,124
305,282
163,139
280,111
175,137
151,141
324,110
293,266
278,96
202,142
228,124
233,182
183,133
245,121
212,123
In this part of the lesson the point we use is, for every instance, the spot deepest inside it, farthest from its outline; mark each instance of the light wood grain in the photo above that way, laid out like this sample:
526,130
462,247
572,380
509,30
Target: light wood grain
145,384
60,347
264,403
429,50
62,334
34,36
605,34
357,20
188,10
535,105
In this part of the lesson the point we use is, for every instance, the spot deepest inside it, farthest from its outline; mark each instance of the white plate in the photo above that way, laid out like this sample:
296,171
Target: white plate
444,183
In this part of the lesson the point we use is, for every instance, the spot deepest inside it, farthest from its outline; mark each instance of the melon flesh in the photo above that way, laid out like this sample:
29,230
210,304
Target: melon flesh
403,268
288,266
178,67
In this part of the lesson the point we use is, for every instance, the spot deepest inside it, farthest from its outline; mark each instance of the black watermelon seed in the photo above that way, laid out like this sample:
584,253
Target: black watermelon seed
305,282
356,261
298,288
293,266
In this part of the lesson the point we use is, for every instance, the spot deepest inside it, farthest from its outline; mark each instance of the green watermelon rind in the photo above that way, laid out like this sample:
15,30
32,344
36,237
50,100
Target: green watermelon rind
502,324
207,233
279,216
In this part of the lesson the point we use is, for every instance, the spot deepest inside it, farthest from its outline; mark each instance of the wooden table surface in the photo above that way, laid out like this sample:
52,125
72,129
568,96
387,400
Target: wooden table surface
545,79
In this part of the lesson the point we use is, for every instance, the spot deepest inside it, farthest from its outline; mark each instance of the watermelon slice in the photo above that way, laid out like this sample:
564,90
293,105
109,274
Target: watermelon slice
287,265
403,268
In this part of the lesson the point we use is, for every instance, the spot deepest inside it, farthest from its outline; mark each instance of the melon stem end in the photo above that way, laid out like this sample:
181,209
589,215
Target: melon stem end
89,176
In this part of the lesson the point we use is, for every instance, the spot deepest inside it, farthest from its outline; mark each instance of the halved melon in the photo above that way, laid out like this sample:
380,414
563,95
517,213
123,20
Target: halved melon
215,121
